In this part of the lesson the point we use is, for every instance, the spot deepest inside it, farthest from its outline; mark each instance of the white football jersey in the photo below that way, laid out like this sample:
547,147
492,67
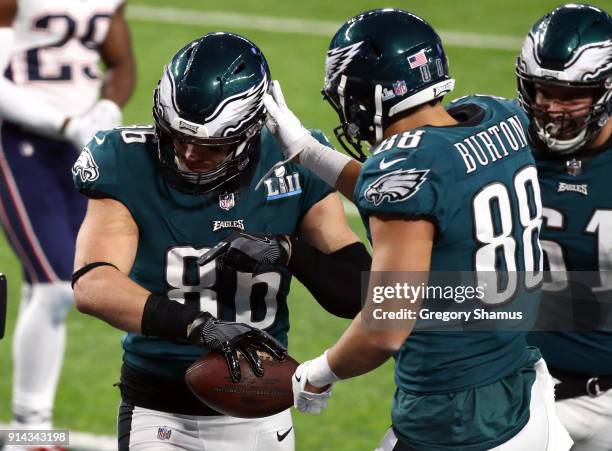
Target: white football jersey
55,50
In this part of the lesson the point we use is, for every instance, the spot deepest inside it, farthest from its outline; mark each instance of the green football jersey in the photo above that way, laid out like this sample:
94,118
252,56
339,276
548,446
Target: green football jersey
477,182
176,228
577,236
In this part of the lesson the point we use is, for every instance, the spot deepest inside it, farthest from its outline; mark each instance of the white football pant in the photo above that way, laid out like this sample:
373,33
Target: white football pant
143,429
589,421
38,351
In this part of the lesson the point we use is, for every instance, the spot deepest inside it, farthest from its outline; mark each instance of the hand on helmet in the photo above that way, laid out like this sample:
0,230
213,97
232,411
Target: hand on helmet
284,125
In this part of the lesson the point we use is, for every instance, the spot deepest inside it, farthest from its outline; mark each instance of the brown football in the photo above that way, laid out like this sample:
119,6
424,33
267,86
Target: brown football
251,397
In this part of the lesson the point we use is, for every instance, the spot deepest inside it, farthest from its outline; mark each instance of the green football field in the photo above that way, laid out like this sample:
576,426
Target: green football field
483,38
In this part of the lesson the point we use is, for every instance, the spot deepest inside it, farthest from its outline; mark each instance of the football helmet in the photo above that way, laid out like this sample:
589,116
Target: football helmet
210,94
571,48
381,64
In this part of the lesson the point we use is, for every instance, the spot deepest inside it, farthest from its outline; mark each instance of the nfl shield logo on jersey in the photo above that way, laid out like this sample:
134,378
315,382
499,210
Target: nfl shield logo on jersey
227,201
164,433
574,167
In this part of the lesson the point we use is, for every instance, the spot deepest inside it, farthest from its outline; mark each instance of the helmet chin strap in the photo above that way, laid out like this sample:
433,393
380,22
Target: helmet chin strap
566,146
558,145
378,128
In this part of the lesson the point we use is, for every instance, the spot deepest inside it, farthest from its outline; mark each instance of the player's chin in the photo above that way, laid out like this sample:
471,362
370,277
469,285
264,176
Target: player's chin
204,166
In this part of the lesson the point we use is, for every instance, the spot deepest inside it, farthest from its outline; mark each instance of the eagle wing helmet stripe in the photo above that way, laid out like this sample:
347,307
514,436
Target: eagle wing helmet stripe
598,56
243,105
338,59
585,65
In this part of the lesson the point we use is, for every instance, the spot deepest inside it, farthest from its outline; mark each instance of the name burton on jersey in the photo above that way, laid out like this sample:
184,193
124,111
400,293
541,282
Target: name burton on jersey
493,144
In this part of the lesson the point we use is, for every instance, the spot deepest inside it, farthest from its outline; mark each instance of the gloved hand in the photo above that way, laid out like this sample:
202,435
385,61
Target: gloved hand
227,337
310,401
283,124
104,115
249,252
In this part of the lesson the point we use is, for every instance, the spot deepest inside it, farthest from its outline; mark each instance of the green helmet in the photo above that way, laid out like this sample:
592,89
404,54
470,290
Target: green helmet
211,94
569,47
381,64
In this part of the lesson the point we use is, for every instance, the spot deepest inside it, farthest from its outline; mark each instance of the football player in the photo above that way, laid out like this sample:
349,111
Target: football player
445,190
161,197
52,100
565,85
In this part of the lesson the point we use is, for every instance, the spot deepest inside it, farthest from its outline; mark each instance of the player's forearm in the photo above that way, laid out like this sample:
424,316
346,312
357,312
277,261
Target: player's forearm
20,105
336,285
23,107
110,295
348,179
359,350
119,83
116,51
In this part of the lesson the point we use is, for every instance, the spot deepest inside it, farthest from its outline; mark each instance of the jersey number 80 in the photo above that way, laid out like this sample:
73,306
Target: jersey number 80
190,282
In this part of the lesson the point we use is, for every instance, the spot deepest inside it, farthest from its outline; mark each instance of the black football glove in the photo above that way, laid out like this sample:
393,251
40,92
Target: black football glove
249,252
226,337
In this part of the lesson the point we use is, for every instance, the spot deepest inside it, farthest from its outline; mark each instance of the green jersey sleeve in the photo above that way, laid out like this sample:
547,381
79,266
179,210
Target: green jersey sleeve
413,181
95,173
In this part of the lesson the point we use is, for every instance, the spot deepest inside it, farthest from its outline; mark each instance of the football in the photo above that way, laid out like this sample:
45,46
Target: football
251,397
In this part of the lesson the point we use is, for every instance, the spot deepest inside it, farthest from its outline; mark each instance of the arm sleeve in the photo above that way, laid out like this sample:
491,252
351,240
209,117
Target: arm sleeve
314,188
21,105
333,279
6,46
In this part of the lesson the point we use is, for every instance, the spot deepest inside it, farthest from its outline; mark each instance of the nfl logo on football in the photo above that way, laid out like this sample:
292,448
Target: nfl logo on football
227,201
164,433
283,185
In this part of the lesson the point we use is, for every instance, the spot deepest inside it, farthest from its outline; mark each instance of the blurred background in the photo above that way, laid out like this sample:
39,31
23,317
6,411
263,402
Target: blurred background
482,39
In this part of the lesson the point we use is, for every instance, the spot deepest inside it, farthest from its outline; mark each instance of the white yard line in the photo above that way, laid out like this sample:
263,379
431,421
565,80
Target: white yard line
298,26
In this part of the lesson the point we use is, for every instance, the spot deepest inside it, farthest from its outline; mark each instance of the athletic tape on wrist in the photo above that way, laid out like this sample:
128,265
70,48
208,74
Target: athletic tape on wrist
319,373
325,162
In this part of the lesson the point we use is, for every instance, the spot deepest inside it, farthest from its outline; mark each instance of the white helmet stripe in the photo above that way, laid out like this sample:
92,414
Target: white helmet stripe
378,114
341,86
433,92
